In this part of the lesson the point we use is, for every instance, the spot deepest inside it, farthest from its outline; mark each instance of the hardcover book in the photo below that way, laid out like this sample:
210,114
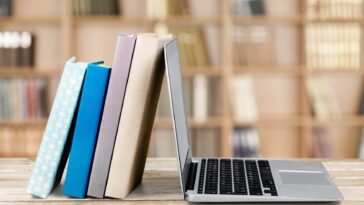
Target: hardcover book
110,117
137,116
86,130
54,149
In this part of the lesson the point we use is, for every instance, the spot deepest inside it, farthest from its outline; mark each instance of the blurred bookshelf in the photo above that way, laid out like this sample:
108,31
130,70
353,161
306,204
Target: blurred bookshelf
248,67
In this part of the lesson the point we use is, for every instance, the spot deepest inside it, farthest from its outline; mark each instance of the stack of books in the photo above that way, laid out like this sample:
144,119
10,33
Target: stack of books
333,46
95,7
23,99
102,119
16,49
322,98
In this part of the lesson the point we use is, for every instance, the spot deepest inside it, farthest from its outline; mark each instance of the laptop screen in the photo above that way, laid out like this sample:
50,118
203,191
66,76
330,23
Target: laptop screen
175,87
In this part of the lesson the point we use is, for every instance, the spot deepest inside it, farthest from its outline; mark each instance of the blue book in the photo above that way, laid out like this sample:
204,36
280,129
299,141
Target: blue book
86,130
54,149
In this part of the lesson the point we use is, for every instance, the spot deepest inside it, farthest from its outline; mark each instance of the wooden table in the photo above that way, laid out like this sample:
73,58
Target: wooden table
160,184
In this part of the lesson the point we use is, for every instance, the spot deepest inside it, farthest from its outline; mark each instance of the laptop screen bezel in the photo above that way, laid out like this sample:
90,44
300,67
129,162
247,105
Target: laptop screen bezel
169,48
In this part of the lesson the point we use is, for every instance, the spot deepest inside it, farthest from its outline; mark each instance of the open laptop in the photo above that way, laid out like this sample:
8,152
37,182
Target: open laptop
239,179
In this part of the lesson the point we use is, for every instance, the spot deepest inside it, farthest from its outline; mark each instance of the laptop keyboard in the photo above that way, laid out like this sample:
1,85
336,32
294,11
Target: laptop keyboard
236,176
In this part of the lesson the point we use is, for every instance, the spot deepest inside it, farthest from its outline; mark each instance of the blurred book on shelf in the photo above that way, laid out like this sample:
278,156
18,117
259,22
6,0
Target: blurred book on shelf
192,46
253,45
160,9
23,99
205,142
5,8
323,101
20,142
16,49
245,142
320,143
248,8
202,98
343,9
333,46
95,7
162,143
243,98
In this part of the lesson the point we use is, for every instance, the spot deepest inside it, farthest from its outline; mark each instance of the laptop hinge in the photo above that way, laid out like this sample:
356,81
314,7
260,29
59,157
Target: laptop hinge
191,176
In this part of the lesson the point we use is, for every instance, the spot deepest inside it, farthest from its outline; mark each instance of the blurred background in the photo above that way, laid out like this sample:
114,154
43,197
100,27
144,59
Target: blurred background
262,78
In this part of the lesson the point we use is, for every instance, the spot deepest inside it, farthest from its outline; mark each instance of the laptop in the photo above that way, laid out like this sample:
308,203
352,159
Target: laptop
239,179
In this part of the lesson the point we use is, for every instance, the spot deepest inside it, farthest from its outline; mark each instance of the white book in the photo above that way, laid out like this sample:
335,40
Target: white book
243,98
200,97
322,98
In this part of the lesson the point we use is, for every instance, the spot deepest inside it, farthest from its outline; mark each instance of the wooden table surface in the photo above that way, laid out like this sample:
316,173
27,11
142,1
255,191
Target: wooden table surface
160,183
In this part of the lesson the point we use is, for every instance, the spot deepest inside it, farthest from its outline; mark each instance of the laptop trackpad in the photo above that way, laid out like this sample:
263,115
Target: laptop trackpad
303,177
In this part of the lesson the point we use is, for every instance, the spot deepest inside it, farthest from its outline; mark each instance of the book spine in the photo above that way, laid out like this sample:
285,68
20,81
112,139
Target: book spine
200,98
86,130
110,119
53,153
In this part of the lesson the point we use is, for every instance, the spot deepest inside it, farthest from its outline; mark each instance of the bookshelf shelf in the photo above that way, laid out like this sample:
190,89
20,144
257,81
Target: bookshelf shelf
343,71
294,121
290,71
24,124
339,121
11,21
302,121
208,71
211,122
29,72
267,20
112,20
188,20
334,20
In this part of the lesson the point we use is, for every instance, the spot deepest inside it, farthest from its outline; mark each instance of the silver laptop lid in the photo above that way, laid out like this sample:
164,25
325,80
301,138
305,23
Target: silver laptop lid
176,95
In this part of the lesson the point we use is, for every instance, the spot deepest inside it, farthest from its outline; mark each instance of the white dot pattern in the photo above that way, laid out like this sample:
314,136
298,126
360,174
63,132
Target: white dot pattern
56,132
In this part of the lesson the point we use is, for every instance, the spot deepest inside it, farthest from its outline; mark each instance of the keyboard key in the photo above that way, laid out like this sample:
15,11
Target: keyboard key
211,184
202,177
239,177
267,177
253,177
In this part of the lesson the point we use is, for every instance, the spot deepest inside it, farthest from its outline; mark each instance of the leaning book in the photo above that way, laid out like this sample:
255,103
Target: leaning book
54,149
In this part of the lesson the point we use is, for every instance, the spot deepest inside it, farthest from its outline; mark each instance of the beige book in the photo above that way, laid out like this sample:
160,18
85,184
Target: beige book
137,116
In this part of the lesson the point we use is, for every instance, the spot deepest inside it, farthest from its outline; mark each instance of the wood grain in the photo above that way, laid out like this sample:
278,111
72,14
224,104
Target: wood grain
160,183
